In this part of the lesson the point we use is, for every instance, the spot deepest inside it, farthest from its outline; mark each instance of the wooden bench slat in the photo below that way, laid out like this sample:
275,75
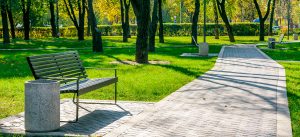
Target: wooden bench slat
53,61
54,54
52,66
71,56
64,67
88,85
74,75
60,71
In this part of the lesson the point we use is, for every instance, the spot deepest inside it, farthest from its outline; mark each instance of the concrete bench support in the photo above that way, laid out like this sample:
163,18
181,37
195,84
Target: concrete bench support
42,106
271,43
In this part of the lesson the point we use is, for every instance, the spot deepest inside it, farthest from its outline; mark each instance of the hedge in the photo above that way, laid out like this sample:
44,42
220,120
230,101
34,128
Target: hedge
170,29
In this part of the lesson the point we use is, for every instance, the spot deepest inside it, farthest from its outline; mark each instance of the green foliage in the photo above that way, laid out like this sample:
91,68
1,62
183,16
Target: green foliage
155,86
239,29
170,29
297,31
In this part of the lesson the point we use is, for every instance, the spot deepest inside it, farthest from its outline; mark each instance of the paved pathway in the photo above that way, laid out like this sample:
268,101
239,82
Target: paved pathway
243,95
95,119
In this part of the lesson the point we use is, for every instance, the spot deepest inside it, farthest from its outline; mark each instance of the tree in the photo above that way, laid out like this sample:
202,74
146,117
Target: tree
81,13
57,19
141,10
4,22
53,18
26,17
195,21
222,12
216,20
124,4
272,18
153,27
161,24
97,39
11,20
262,19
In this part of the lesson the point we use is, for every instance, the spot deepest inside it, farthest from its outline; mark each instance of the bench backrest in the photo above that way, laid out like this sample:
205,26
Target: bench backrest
281,38
58,65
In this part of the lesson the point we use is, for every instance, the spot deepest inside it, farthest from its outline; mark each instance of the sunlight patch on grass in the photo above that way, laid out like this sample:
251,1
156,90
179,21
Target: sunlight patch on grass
144,82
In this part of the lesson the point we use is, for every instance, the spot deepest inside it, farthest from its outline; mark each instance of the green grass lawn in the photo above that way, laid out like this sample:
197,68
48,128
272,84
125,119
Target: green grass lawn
293,87
137,83
286,53
289,51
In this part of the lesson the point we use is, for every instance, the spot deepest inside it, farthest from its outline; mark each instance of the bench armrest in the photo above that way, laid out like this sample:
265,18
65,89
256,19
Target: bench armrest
100,68
60,78
103,69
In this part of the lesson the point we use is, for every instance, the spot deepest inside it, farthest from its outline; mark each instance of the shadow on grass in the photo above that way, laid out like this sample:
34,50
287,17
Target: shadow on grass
15,65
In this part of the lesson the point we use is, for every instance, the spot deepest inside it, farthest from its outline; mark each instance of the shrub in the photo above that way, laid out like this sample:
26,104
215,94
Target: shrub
170,29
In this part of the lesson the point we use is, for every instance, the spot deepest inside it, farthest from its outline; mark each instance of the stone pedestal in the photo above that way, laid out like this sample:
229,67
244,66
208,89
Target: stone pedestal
203,49
271,43
42,106
295,36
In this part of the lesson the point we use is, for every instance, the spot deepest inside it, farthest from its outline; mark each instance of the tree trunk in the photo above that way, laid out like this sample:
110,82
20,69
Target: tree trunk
153,27
261,31
195,21
127,27
81,6
88,33
262,19
272,18
26,18
141,9
81,11
123,21
97,39
217,34
222,11
57,20
5,29
161,24
52,19
11,21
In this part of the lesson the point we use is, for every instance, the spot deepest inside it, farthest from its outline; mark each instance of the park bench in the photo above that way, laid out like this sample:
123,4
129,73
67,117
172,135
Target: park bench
280,41
272,42
67,68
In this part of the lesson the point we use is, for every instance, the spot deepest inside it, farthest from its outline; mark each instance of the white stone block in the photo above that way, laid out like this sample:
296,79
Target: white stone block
42,106
203,49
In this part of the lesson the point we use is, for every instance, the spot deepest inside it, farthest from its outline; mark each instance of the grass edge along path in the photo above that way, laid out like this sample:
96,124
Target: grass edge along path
285,54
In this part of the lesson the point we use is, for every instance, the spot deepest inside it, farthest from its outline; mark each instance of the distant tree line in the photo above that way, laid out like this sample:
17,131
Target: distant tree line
147,14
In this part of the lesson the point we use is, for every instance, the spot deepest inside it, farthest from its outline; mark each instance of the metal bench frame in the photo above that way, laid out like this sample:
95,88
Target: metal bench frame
280,41
68,73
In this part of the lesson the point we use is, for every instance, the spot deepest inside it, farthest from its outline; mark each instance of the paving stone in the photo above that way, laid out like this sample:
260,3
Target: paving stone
238,97
96,120
243,95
